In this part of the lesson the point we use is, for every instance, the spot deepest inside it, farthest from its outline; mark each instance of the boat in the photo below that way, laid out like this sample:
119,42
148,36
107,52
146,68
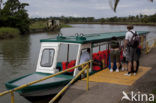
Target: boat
58,54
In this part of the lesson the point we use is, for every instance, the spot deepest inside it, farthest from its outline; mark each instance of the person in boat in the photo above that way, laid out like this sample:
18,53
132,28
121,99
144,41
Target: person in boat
114,54
132,55
85,56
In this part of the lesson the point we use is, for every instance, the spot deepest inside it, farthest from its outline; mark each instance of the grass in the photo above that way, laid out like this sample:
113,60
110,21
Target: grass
7,32
38,25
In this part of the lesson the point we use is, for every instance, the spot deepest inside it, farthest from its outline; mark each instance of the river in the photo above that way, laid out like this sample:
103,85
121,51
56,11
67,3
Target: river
19,56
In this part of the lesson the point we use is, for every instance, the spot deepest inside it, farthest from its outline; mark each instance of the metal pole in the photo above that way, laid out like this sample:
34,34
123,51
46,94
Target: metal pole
66,87
108,55
68,53
12,97
87,79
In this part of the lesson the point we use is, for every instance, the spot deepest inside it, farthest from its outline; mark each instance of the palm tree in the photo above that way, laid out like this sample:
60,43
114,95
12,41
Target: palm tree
116,3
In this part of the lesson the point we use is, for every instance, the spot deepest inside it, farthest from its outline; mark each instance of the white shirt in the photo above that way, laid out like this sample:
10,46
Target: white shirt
84,57
129,35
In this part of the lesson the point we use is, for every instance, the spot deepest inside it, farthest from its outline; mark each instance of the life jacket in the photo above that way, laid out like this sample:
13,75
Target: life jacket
97,60
105,52
71,64
121,54
66,65
103,56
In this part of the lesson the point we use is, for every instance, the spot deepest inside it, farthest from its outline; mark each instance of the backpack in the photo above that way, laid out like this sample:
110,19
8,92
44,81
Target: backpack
134,42
114,44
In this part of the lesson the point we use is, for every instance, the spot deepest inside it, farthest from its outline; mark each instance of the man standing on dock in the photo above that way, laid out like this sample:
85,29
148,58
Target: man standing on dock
131,42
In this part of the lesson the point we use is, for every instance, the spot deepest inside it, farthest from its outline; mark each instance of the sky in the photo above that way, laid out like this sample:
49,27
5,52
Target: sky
88,8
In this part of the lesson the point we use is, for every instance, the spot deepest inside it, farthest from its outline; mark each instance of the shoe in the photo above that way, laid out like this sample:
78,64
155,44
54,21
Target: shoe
134,74
117,70
111,70
127,74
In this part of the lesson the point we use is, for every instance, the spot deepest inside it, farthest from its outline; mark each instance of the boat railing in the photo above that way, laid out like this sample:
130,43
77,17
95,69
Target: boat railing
85,66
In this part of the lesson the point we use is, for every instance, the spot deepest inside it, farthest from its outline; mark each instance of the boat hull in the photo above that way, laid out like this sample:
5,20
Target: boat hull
39,90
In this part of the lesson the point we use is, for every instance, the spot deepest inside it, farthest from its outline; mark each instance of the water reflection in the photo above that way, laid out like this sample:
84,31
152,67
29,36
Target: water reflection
15,51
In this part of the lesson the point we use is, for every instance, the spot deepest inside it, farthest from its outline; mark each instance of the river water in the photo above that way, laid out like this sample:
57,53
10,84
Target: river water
19,56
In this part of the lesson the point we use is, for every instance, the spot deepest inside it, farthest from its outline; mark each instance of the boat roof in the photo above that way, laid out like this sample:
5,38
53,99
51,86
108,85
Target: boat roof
90,38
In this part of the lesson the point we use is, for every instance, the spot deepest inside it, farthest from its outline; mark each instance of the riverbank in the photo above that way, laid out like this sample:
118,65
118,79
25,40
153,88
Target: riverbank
41,26
117,23
7,32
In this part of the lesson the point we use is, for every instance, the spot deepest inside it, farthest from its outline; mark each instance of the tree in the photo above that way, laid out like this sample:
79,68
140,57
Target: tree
14,15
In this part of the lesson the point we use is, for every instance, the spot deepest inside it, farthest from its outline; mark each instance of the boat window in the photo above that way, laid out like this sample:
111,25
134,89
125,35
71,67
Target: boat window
62,53
95,49
67,52
73,50
47,57
103,47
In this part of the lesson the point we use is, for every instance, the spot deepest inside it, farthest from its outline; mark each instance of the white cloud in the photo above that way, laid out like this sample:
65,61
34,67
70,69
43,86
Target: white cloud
101,7
144,11
85,8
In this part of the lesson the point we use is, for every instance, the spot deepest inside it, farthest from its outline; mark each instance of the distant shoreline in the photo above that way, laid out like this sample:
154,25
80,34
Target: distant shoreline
116,23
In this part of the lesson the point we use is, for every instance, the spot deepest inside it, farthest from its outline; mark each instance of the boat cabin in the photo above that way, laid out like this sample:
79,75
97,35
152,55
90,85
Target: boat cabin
57,54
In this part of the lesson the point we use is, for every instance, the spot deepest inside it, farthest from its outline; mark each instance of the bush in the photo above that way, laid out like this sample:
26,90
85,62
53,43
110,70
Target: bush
7,32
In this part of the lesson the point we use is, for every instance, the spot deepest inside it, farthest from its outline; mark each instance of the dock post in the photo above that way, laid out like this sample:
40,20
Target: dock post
87,79
12,97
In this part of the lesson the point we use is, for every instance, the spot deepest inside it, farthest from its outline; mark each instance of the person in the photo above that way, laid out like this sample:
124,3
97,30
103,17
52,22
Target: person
124,60
114,54
85,56
132,56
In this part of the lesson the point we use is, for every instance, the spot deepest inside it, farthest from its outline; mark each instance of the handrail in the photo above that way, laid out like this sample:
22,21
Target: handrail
31,83
67,86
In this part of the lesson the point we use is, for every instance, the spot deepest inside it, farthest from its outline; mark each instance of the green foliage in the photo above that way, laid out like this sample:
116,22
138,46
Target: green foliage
38,25
7,32
66,26
138,19
14,15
